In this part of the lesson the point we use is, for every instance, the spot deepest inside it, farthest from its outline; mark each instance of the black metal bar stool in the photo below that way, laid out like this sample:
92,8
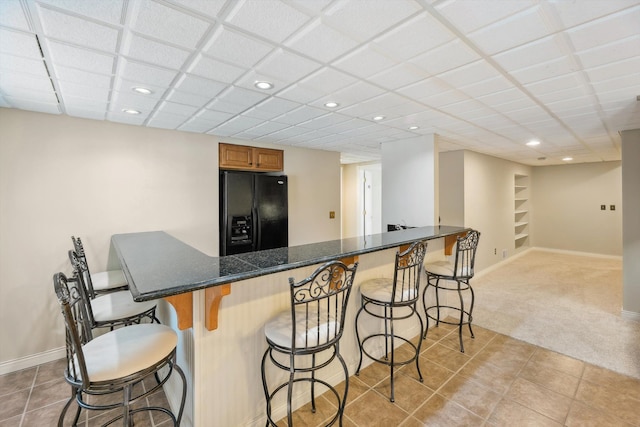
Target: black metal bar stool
313,325
113,363
397,299
100,282
460,272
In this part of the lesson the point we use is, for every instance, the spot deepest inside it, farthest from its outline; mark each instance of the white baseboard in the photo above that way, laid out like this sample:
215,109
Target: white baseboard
591,254
630,315
501,263
32,360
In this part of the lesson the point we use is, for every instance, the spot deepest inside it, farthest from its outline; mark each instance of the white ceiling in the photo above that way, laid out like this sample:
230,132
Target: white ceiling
485,75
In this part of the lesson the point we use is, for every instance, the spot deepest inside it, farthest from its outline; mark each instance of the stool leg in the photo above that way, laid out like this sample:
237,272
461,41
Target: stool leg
266,388
471,309
424,305
292,370
461,317
393,399
313,383
358,339
415,310
346,383
437,286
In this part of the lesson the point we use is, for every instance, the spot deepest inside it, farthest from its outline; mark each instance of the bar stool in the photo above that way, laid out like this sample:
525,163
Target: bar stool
111,309
313,325
102,281
113,363
394,297
460,272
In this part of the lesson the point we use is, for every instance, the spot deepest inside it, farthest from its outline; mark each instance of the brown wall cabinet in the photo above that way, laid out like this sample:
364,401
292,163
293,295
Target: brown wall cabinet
242,157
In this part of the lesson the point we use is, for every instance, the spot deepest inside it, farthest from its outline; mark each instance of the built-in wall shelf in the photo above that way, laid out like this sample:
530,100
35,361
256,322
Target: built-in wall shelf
521,210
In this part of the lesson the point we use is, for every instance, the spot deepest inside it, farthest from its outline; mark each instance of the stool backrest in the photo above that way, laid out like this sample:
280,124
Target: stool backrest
77,324
79,265
407,272
466,247
318,306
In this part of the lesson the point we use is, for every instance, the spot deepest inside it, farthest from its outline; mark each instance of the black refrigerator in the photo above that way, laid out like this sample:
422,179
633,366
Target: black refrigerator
253,212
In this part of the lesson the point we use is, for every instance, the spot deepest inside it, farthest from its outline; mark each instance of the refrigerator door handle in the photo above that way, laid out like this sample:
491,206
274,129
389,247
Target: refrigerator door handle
257,235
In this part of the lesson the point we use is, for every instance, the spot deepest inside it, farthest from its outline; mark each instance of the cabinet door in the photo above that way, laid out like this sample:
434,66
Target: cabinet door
269,160
235,156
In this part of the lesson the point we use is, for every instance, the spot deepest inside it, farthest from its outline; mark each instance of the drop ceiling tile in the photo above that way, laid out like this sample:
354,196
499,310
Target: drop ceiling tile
469,74
402,110
266,128
122,85
612,52
165,121
146,74
225,107
300,94
270,108
120,117
82,91
239,96
363,23
145,50
18,64
321,42
107,11
166,23
528,115
605,30
468,16
236,48
446,57
286,66
554,84
271,19
237,124
623,82
325,121
95,105
288,133
19,44
85,112
210,8
300,115
614,69
187,98
310,6
10,82
414,37
465,106
12,15
530,54
364,62
570,15
559,95
627,93
89,79
486,87
83,59
352,95
328,80
210,68
199,86
78,31
33,105
210,116
445,98
425,88
125,100
398,76
197,126
167,107
545,70
522,28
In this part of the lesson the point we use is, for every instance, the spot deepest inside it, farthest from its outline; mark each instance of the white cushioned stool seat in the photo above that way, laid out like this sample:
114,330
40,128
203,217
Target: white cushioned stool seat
380,289
279,329
125,351
118,305
444,268
105,280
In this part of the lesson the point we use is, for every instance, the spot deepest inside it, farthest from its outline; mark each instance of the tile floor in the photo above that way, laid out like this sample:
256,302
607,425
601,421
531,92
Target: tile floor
499,381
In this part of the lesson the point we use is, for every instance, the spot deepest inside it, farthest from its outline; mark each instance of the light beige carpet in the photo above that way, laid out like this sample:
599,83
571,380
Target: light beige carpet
567,303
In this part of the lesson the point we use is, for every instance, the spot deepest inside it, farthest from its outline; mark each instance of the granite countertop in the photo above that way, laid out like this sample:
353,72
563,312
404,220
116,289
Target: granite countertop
158,265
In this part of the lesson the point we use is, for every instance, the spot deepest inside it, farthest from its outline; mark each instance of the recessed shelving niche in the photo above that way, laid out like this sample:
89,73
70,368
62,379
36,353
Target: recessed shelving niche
521,210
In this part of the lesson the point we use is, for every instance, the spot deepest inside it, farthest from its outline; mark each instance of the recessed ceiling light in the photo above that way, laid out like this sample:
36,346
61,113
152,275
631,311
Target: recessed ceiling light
130,111
413,127
378,118
142,90
263,85
331,104
533,143
567,159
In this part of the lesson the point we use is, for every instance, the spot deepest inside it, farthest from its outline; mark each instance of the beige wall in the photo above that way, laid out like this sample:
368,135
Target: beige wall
631,222
350,200
63,176
567,215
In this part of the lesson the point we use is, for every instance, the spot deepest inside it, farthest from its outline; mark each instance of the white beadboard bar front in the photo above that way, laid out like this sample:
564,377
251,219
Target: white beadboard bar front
221,357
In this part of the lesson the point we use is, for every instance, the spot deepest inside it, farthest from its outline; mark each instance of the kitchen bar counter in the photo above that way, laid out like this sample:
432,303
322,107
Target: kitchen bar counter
158,265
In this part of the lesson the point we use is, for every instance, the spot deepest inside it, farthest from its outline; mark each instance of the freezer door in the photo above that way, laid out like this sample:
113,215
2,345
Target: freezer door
271,224
236,203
